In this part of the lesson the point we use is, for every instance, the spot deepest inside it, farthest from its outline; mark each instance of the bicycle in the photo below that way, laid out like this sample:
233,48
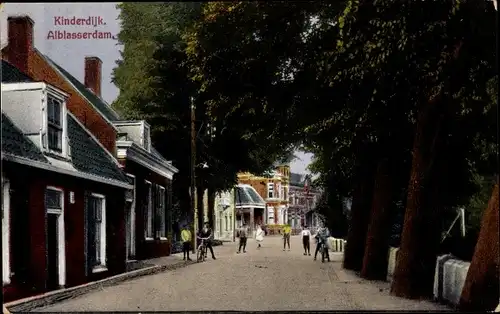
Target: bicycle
323,248
202,250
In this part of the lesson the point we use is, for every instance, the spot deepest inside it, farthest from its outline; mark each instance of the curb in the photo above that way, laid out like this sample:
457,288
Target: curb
28,304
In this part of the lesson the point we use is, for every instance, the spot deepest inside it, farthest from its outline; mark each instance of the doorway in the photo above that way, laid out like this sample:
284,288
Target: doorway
52,252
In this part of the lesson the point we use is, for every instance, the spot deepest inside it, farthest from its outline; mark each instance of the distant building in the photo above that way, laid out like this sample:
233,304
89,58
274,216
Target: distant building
274,190
224,215
302,200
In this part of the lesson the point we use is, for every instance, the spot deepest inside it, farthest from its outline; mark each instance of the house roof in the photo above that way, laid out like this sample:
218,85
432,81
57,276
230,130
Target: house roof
100,104
88,156
11,74
14,142
247,196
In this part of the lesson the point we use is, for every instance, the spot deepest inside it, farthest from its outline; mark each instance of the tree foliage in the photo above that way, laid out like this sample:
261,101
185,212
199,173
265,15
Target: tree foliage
154,78
354,82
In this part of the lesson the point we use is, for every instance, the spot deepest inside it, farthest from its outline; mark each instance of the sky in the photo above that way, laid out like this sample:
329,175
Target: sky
71,53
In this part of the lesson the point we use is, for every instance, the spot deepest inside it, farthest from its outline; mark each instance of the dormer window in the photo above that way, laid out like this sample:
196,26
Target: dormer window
55,124
54,130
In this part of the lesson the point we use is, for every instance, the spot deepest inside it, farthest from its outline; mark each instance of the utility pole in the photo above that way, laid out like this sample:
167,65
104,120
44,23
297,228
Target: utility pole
193,166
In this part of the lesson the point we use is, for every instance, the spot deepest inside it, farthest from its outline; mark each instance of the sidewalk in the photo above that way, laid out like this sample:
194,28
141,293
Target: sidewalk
151,266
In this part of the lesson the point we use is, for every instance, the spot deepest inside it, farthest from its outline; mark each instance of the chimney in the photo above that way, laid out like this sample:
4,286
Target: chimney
20,29
93,74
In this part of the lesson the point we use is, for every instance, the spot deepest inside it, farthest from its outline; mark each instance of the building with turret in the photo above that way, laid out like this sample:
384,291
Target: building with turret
273,188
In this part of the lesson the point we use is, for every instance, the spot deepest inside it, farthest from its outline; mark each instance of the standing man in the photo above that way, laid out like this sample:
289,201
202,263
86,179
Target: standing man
242,234
322,237
186,241
206,233
287,230
306,238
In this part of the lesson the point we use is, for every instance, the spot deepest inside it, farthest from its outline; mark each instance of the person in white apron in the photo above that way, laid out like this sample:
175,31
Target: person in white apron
259,236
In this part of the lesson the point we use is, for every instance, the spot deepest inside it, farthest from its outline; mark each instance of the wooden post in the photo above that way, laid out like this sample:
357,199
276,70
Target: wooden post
193,165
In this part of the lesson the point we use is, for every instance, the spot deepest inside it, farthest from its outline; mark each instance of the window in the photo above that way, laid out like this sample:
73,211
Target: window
225,222
53,200
149,210
55,124
285,193
160,211
270,190
96,206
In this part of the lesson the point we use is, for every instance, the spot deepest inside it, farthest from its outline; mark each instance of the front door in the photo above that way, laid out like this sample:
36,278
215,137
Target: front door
52,252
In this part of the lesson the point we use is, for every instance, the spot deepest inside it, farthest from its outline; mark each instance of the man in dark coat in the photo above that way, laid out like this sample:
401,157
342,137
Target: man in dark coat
207,234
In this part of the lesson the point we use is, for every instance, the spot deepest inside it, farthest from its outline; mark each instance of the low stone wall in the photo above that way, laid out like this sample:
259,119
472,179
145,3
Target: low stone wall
336,245
391,263
449,279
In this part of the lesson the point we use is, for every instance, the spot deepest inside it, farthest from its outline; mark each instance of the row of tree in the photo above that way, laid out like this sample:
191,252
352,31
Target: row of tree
396,100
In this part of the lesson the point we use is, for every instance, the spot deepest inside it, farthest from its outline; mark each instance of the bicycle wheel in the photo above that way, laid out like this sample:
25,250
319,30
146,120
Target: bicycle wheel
200,254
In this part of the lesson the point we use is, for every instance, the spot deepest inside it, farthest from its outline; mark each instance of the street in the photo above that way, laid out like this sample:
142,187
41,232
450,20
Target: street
264,279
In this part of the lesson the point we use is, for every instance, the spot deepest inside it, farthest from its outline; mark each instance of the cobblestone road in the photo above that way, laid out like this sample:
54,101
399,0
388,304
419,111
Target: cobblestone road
265,279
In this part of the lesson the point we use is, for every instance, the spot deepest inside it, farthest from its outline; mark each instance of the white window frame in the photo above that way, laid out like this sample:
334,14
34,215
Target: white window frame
64,125
163,214
102,263
270,190
61,238
149,212
5,231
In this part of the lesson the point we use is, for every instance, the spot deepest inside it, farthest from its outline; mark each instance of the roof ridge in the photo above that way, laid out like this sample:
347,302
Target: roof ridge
98,97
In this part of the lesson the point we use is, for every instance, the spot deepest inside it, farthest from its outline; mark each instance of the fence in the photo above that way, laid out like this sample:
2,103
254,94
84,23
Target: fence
449,277
336,245
391,263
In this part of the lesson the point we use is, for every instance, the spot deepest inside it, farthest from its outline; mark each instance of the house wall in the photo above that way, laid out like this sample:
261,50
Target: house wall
146,249
260,185
224,216
22,54
28,230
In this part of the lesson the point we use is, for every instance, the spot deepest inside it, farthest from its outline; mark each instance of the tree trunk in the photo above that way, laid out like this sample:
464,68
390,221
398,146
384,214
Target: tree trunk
211,204
360,218
481,288
414,273
377,240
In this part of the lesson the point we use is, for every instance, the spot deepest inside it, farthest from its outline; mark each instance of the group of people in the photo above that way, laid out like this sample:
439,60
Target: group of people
206,234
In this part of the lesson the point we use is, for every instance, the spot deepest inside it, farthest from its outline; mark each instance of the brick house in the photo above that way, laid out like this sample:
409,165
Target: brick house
274,189
63,193
302,201
148,206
